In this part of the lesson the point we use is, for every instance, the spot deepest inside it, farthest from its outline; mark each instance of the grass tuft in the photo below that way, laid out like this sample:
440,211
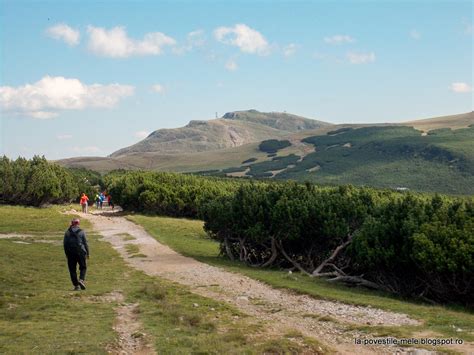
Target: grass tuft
152,292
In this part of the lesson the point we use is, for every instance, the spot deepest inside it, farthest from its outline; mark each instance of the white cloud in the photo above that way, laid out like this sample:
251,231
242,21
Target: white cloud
41,115
231,65
460,87
44,98
415,34
115,43
158,88
142,134
194,39
339,39
290,50
86,149
62,137
361,58
244,37
63,32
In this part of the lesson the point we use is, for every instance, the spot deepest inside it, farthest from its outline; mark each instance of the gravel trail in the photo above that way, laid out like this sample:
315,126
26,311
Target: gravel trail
282,310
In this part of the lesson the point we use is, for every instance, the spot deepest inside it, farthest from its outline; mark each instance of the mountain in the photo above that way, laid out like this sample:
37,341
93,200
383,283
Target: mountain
279,120
232,130
434,154
403,156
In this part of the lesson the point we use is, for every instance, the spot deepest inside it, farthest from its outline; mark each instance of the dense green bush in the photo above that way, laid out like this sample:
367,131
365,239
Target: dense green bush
273,145
264,168
87,181
419,247
165,193
338,131
412,245
35,182
408,244
250,160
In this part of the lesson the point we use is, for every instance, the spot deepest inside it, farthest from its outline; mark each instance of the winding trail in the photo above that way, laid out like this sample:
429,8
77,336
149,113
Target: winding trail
281,309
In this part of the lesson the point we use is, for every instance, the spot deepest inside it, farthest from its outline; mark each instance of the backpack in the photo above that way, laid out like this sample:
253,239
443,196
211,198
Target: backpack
72,242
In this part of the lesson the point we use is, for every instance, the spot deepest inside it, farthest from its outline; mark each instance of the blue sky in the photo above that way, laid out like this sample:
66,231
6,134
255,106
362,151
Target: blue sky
88,77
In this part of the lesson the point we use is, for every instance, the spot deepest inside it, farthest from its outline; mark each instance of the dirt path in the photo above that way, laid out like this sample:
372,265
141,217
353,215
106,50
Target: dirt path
131,338
282,310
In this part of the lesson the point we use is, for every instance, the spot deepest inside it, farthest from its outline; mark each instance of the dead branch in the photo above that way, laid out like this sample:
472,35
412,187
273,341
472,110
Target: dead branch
333,256
293,262
228,249
273,256
357,281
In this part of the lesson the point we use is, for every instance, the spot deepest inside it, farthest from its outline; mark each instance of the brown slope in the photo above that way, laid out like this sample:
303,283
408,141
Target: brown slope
233,130
462,120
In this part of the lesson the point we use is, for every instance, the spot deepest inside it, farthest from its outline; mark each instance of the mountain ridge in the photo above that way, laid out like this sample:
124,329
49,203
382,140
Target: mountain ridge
434,154
231,130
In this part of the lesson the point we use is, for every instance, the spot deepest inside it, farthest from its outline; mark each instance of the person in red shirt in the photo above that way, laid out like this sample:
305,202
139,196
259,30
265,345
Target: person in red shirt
109,200
84,202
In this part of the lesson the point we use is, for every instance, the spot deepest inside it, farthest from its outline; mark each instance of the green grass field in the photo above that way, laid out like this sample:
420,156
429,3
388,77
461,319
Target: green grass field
187,237
39,314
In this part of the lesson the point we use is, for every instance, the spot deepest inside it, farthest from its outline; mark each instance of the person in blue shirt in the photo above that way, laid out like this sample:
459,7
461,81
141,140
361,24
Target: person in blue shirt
101,199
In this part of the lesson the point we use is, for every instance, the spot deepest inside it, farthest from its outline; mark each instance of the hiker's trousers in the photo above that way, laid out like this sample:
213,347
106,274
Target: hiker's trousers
72,261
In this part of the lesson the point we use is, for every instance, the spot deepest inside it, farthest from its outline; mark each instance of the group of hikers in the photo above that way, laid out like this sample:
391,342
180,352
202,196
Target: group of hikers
99,200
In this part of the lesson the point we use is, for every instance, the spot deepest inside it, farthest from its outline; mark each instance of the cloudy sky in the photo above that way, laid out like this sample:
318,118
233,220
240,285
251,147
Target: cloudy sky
87,78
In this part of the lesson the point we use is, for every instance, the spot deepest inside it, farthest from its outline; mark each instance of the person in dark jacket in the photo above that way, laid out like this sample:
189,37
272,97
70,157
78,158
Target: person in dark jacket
77,251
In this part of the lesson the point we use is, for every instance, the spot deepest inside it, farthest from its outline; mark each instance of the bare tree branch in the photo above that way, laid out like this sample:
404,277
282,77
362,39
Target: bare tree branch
333,256
228,249
273,256
357,281
295,264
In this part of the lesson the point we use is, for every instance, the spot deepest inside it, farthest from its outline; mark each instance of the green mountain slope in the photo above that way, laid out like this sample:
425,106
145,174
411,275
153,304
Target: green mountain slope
436,156
384,156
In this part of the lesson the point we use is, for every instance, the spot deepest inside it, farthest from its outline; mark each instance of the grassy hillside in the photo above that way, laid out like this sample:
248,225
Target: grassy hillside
389,156
462,120
279,120
417,154
233,130
200,136
209,160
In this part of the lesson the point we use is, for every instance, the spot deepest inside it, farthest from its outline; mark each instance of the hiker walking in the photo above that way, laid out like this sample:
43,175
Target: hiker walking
76,250
101,199
97,200
84,202
109,200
